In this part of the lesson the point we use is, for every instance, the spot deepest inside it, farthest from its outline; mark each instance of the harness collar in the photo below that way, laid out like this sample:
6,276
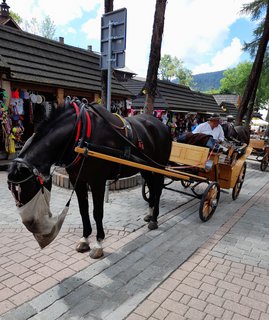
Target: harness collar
83,129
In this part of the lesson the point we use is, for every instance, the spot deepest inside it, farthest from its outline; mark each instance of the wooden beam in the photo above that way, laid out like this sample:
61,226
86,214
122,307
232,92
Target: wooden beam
168,171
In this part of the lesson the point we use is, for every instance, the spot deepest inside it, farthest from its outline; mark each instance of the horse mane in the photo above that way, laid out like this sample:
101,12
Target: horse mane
44,127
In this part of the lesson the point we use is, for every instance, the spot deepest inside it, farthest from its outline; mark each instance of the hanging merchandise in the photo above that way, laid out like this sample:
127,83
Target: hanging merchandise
15,94
18,103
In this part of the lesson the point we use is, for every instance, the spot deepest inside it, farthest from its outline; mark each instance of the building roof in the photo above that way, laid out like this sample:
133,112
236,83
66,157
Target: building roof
207,102
8,21
34,59
228,109
230,98
173,97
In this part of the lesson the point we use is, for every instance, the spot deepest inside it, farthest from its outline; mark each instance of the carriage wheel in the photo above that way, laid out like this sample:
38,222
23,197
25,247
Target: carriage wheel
264,162
185,183
145,191
209,201
239,182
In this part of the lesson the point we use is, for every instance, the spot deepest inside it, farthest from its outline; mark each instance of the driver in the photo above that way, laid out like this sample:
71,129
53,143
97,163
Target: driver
212,127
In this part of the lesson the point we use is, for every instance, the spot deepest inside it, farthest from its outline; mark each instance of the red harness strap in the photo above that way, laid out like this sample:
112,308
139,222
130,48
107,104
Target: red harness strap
79,128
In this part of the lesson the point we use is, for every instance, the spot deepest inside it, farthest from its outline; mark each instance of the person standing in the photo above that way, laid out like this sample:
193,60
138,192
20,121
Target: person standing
212,127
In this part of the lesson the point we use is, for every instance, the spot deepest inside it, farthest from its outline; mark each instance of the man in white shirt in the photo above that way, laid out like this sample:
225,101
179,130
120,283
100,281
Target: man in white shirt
211,127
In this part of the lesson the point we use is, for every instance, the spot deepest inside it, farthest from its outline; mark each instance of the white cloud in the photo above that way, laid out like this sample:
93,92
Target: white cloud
92,28
223,59
71,30
196,31
60,11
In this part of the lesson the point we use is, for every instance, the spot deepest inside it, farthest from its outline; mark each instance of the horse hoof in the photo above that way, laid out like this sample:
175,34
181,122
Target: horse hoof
153,225
96,253
82,247
147,217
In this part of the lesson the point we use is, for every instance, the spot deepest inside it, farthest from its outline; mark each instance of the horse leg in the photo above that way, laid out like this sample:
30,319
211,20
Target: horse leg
158,181
82,195
98,192
149,179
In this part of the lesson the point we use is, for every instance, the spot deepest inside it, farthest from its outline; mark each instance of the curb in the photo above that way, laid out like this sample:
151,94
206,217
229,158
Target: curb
62,180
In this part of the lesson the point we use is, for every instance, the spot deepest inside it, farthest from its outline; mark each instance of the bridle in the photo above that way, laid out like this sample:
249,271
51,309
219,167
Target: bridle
15,186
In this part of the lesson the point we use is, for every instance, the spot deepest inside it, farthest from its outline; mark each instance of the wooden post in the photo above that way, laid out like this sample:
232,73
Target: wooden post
60,96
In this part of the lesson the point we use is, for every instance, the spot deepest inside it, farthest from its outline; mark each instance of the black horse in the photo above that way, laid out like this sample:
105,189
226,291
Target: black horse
237,133
142,138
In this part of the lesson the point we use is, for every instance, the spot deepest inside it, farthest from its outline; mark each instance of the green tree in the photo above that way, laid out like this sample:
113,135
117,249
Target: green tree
166,68
45,28
235,79
16,17
173,68
256,9
183,75
155,55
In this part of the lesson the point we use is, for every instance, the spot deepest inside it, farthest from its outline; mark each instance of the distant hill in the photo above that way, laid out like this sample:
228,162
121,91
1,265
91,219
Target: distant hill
207,81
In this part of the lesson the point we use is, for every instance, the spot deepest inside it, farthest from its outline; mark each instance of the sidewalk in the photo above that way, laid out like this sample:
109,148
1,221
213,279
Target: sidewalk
226,278
184,270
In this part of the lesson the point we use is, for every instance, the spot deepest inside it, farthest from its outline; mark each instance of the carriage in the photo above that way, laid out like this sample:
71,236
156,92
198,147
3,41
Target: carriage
114,147
204,171
260,150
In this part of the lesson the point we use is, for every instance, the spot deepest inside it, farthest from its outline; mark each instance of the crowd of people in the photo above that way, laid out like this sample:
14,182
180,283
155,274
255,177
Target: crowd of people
191,122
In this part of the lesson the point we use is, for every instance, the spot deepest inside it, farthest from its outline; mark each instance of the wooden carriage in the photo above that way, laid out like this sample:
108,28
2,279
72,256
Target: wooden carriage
193,166
260,149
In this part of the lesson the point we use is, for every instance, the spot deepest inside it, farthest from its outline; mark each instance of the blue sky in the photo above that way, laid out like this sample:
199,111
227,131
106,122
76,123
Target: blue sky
207,35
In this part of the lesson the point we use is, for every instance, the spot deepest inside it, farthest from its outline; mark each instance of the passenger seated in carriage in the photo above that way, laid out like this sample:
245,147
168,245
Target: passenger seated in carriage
212,127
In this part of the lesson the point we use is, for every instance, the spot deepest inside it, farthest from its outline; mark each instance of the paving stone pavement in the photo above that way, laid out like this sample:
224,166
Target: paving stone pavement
184,270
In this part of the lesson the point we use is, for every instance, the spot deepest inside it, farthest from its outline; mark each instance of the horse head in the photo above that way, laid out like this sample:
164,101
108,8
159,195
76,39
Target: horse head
229,131
24,181
30,171
243,134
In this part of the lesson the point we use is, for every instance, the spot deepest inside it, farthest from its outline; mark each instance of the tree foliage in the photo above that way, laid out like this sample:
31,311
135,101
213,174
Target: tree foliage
173,68
235,81
45,28
18,19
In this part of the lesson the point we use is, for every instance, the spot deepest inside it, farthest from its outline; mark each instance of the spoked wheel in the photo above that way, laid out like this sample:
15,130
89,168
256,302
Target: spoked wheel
145,191
209,201
185,183
264,162
239,182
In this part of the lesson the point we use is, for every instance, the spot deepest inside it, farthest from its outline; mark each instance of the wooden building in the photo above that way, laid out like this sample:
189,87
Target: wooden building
32,67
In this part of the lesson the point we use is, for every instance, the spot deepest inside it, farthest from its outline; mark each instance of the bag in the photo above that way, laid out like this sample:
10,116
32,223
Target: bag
38,219
212,144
